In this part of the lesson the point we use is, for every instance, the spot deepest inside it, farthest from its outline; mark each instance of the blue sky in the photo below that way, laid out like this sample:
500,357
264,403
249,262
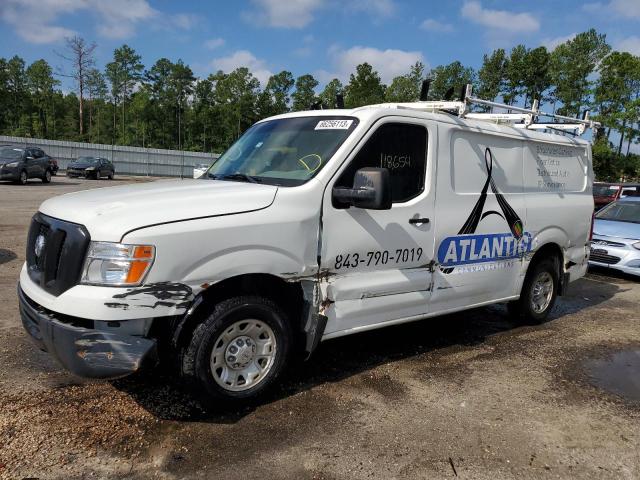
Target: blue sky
324,37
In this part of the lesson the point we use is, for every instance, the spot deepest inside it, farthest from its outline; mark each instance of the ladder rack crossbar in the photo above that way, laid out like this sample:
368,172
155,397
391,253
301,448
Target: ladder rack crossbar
519,117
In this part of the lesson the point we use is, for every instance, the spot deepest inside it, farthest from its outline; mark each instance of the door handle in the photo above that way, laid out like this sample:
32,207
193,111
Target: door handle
413,221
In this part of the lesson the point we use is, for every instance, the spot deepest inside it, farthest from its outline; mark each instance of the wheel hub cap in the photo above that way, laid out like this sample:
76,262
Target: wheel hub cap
240,352
542,292
243,355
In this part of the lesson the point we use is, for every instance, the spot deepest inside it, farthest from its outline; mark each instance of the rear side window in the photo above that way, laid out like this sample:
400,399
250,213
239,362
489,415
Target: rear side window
37,153
402,149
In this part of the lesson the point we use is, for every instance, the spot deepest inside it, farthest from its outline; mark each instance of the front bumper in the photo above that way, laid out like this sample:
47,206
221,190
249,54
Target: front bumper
9,173
77,173
83,350
623,258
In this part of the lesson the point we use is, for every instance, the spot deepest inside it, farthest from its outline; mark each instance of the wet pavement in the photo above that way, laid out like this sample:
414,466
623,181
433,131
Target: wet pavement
471,395
617,373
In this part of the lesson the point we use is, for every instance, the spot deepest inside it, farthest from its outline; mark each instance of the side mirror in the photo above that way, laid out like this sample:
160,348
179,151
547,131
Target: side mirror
371,190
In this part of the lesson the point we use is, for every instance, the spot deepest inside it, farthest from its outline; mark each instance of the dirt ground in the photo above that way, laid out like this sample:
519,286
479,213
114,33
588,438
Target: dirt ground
470,395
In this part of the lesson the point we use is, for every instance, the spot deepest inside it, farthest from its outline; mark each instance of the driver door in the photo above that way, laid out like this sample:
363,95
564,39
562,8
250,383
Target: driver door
375,263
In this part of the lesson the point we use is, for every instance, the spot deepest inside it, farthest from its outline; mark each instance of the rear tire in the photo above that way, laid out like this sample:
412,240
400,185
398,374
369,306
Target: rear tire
539,292
240,350
47,177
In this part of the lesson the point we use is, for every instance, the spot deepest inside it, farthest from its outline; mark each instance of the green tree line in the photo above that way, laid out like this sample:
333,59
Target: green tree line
166,106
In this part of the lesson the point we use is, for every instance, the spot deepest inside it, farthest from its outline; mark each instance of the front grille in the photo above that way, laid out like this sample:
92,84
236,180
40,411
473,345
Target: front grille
601,256
57,267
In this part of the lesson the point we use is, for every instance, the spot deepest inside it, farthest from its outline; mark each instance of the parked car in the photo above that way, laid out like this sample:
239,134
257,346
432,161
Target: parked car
616,236
605,193
91,167
199,169
312,226
53,164
19,164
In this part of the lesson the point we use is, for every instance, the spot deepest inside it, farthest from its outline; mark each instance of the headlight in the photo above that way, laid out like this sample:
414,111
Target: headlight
90,168
116,264
12,164
636,245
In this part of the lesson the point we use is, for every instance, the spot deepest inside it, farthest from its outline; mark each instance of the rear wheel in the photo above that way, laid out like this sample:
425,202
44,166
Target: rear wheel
539,292
240,350
47,177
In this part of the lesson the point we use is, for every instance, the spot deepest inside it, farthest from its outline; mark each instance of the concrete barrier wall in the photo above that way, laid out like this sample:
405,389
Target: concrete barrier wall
127,160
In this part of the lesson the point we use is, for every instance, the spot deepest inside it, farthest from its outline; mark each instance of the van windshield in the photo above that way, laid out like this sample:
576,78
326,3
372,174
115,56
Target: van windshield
285,152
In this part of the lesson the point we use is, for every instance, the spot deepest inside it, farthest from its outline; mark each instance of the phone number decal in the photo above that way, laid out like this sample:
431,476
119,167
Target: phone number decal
378,257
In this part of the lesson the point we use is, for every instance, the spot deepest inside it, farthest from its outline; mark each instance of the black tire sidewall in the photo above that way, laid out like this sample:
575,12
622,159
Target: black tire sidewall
47,177
26,178
546,265
225,314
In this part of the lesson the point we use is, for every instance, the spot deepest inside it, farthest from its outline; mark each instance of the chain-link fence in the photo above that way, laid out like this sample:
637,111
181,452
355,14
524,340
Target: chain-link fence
127,160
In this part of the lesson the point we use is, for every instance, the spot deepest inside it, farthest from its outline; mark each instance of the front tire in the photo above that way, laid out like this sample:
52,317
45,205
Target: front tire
240,350
22,179
539,292
47,177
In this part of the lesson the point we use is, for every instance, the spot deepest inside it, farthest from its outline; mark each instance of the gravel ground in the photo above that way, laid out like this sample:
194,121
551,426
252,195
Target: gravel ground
470,395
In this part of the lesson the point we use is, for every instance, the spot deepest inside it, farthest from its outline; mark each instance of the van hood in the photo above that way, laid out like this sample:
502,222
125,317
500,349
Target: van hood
109,213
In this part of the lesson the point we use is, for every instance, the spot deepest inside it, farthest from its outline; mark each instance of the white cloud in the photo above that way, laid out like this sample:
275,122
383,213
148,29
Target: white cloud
388,63
283,13
184,21
499,19
626,8
35,20
629,44
243,58
378,8
552,43
118,18
432,25
214,43
621,8
32,19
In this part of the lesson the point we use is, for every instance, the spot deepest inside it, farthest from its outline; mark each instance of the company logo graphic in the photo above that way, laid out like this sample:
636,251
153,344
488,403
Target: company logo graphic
468,247
39,246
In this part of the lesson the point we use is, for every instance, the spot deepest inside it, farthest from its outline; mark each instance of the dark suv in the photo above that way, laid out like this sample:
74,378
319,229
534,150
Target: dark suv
20,164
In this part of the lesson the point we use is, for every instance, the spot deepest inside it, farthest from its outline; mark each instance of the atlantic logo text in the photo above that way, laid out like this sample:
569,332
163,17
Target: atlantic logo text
491,247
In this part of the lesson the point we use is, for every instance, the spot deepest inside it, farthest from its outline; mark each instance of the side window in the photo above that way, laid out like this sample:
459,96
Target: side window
402,149
37,153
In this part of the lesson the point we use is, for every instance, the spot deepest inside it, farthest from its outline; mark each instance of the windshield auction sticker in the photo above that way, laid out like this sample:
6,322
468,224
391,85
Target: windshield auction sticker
333,124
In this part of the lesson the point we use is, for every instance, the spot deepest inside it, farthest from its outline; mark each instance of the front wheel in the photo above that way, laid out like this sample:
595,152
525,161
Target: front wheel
47,177
22,179
539,292
240,350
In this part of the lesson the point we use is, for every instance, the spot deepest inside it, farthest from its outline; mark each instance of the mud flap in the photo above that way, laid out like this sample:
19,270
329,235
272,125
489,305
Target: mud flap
564,283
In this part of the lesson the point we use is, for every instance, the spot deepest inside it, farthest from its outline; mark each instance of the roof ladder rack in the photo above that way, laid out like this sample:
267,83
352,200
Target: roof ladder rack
518,117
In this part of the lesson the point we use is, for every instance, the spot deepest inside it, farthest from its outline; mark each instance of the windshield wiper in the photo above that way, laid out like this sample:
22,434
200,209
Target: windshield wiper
236,177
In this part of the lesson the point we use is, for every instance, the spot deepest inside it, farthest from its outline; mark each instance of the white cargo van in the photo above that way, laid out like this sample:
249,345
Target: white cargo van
313,225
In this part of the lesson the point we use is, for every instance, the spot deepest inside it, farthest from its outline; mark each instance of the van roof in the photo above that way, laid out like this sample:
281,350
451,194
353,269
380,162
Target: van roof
374,112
